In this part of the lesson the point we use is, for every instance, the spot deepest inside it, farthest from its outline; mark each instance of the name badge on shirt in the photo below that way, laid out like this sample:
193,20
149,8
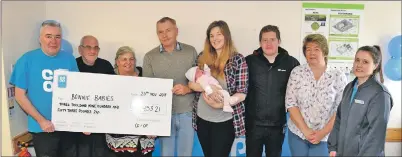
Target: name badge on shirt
359,101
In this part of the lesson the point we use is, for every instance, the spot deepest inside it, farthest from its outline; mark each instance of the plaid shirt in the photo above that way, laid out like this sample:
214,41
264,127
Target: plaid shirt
236,75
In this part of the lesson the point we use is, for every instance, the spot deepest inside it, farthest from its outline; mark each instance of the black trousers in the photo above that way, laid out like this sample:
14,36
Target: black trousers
81,145
270,136
51,145
93,145
216,139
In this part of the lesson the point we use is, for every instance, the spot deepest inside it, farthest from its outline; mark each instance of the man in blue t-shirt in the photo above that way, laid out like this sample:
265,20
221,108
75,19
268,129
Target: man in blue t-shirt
32,78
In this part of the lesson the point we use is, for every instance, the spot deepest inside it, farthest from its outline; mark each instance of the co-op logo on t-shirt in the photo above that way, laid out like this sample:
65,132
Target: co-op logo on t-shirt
47,75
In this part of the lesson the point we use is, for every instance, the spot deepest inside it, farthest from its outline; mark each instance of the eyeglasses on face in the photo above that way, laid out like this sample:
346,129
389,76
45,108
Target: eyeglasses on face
87,47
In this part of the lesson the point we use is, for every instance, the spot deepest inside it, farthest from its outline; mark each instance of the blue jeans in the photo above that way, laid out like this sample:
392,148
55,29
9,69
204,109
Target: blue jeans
300,147
182,136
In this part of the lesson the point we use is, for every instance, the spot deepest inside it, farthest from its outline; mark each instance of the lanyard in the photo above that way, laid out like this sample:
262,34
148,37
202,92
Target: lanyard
353,92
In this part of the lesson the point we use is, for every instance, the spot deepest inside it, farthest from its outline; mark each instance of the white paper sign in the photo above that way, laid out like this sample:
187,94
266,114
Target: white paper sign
341,24
100,103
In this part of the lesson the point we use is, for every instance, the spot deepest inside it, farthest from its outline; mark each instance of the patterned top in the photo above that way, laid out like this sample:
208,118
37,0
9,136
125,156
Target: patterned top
236,75
130,143
316,100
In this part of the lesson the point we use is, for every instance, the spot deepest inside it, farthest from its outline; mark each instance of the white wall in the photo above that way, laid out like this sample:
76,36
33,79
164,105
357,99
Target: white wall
6,149
133,24
20,29
1,88
5,146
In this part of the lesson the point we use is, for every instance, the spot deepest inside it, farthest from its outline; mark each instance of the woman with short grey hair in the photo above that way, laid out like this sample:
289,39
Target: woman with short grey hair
125,61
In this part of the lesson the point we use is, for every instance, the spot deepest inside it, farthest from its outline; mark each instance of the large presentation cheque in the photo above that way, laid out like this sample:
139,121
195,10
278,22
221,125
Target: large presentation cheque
100,103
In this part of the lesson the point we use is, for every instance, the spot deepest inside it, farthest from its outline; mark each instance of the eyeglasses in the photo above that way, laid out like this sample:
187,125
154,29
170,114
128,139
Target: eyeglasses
87,47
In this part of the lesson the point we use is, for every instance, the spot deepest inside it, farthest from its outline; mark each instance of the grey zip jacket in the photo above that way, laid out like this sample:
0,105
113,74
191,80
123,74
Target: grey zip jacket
360,126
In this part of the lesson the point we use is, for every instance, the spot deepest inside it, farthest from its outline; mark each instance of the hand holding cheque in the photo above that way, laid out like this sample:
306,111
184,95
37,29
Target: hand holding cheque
99,103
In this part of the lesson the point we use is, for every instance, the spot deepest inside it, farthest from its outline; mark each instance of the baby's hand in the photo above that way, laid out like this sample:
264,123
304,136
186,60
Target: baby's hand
233,100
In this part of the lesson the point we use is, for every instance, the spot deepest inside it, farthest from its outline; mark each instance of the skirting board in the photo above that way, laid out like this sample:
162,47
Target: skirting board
394,135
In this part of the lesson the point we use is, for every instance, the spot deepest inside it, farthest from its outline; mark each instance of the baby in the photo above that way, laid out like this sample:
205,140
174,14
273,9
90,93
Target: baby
205,79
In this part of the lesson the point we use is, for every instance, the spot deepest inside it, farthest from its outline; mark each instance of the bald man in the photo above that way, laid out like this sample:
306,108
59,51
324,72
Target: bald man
89,145
89,61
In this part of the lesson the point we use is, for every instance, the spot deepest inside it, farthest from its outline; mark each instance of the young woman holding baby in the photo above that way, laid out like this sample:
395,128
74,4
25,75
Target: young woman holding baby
217,129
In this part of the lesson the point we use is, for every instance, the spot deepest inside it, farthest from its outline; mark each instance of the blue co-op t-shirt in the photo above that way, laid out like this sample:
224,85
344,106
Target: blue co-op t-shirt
34,73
